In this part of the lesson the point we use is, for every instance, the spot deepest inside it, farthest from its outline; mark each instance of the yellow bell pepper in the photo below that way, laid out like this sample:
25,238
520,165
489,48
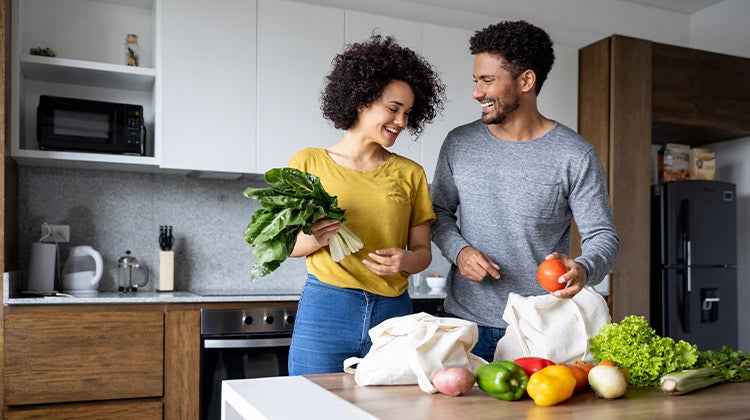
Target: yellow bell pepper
551,385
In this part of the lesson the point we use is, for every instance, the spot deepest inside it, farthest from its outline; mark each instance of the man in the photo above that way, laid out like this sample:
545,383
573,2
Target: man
519,178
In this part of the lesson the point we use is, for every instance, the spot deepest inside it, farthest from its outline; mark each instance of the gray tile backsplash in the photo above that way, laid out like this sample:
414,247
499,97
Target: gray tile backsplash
118,211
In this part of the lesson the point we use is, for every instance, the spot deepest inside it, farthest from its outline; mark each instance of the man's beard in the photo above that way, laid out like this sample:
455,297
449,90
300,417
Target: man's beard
503,113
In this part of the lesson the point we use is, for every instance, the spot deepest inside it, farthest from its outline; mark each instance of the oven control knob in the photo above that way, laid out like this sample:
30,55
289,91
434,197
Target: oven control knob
269,319
289,319
247,320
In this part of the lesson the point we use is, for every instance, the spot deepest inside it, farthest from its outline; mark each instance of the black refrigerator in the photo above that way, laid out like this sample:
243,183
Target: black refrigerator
694,262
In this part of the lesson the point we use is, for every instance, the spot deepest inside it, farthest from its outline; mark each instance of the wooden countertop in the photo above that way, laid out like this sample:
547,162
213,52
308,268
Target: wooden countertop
722,401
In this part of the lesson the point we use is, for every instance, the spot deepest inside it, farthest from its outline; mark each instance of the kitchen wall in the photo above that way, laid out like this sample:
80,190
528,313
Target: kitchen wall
115,211
118,211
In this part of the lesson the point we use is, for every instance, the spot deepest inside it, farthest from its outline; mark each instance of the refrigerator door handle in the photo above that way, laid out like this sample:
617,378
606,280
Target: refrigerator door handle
689,267
683,304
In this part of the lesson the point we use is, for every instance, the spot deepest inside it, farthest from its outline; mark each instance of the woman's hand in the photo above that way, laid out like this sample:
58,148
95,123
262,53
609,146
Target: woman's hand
324,229
385,262
391,261
322,232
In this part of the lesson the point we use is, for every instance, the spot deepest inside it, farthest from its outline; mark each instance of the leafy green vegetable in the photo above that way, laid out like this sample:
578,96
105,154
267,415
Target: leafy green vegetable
634,345
293,201
732,365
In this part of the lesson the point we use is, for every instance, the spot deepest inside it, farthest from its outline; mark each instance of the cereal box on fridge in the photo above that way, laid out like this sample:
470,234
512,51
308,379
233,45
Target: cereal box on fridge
702,163
674,162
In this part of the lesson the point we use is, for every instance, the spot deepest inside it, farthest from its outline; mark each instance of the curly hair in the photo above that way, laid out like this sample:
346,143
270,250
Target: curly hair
523,45
360,74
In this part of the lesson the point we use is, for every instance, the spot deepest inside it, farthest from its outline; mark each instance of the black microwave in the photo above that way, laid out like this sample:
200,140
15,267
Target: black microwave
90,126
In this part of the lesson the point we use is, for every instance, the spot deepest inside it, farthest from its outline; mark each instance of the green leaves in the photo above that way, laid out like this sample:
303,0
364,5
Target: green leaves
732,365
635,345
293,201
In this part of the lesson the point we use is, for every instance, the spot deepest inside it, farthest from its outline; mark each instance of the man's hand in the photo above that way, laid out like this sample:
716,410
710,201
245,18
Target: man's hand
575,277
476,265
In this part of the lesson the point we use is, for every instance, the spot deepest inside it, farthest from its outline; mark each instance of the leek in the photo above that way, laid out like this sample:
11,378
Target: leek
678,383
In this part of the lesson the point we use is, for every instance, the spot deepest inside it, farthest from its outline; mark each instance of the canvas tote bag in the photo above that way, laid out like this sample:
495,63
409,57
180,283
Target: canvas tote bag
552,328
410,349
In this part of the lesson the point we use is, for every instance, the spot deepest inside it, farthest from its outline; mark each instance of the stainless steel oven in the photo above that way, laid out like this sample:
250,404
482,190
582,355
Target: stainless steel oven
241,343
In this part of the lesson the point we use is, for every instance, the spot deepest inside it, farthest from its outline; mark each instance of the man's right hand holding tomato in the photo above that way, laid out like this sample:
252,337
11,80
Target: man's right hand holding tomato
575,277
476,265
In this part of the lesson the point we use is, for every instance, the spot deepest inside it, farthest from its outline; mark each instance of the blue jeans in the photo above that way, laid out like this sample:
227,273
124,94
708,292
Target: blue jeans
487,342
332,324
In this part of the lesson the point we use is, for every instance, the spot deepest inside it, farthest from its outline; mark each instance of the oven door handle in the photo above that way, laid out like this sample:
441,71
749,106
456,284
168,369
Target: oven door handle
228,343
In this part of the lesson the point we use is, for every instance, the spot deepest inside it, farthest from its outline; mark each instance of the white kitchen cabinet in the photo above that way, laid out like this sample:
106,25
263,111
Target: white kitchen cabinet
296,43
447,49
88,38
208,85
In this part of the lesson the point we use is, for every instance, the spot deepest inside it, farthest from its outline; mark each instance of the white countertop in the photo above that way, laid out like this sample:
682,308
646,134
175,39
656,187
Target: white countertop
141,297
269,398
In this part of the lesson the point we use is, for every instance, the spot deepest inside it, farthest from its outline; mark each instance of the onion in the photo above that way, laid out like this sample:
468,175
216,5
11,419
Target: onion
453,381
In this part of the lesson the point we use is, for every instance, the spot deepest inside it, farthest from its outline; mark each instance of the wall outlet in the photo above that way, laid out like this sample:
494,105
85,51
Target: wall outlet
55,233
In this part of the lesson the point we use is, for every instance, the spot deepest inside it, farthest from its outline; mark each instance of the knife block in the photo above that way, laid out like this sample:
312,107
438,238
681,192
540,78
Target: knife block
166,271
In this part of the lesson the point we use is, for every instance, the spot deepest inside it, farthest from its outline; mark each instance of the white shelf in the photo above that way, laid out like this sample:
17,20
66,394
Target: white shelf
88,73
79,160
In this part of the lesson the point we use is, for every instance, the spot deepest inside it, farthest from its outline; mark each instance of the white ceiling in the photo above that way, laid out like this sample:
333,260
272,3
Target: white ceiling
685,6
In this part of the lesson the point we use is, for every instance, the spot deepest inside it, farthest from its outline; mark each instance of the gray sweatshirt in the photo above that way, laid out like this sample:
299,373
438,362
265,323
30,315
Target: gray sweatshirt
515,202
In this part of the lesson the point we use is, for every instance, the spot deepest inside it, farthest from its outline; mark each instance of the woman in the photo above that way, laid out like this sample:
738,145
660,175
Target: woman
375,90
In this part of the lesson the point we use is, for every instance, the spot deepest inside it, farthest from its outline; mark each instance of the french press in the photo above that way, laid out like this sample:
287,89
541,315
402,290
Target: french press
127,269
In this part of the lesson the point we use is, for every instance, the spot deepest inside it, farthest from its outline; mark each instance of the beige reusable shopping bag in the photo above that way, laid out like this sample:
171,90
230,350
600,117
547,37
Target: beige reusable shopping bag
552,328
410,349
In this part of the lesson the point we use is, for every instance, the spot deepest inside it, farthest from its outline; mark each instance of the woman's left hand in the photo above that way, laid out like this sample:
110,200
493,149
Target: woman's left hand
386,261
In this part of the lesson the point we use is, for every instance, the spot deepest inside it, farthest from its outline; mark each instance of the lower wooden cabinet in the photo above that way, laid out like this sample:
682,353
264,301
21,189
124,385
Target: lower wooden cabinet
121,410
74,354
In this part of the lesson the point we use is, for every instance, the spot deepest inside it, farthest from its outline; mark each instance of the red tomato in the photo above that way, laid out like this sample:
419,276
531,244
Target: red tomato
533,364
581,373
548,272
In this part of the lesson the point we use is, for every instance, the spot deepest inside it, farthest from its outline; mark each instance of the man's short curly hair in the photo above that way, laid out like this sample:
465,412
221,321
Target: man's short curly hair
360,74
523,45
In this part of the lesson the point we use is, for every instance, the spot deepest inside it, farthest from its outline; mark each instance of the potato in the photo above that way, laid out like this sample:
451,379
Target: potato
453,381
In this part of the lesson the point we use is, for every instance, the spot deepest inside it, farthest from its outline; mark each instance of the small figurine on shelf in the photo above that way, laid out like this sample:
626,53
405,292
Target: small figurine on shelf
132,50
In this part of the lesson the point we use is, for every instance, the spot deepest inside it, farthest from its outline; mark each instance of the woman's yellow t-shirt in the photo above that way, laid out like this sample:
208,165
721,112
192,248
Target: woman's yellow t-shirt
381,205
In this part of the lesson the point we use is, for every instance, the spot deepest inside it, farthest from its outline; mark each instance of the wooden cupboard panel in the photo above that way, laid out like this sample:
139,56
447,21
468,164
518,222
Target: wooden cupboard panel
615,116
593,111
630,189
83,355
699,96
122,410
182,366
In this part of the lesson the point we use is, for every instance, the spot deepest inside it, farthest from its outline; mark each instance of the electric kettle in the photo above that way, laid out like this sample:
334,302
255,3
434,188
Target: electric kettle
82,271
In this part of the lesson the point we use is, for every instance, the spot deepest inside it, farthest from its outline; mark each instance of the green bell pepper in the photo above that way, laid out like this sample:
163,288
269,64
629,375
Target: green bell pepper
503,380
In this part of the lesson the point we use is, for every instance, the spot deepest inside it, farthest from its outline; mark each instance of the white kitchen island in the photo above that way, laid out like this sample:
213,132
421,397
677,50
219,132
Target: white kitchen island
285,397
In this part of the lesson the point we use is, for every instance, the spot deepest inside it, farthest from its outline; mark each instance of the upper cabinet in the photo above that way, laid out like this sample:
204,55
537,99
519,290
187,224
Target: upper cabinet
88,38
296,43
699,96
227,87
208,85
447,49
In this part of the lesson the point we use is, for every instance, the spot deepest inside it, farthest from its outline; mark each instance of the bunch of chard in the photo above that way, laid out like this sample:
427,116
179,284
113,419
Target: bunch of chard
292,202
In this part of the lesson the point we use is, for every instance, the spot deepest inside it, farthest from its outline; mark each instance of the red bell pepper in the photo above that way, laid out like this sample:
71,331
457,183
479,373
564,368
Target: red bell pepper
533,364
